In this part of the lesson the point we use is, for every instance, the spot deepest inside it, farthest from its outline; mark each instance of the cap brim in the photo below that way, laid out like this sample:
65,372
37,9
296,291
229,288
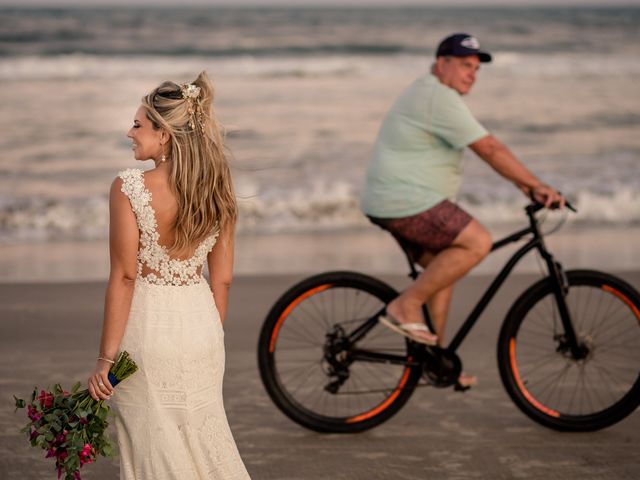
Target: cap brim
484,57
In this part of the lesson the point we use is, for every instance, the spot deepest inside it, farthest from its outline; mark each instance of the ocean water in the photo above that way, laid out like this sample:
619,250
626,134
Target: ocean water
302,93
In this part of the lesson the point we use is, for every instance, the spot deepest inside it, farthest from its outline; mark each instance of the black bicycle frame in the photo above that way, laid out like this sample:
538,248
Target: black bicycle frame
556,276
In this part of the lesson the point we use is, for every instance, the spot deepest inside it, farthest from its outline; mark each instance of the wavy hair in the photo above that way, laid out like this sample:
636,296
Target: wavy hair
200,176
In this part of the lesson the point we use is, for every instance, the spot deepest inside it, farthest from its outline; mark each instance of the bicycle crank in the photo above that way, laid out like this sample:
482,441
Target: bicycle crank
441,367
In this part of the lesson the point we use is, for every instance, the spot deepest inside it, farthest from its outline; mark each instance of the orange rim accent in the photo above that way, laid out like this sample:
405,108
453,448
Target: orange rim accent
287,311
386,403
633,308
525,392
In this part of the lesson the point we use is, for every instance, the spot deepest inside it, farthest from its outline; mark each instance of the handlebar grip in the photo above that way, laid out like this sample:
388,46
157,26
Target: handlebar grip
536,206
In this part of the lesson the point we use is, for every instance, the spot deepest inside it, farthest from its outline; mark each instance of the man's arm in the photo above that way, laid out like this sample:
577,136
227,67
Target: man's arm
503,161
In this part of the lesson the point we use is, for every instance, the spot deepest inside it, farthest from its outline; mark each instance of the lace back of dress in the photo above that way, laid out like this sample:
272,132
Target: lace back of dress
155,266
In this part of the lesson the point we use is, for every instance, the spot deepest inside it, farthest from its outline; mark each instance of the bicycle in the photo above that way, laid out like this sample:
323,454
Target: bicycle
568,350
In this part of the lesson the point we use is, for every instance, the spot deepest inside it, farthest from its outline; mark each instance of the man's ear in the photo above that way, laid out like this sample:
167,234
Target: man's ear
437,66
441,60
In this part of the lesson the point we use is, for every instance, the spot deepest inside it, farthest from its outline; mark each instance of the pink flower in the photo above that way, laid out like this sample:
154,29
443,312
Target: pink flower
46,399
61,438
33,414
87,454
65,417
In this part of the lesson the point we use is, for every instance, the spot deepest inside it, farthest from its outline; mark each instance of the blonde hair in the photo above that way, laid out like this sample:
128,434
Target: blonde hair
200,176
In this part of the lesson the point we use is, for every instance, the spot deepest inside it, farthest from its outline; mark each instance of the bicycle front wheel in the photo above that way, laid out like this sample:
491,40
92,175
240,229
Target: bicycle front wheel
318,372
541,374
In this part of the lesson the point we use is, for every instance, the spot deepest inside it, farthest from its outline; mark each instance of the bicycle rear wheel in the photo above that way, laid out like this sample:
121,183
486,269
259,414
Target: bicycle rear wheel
316,373
539,371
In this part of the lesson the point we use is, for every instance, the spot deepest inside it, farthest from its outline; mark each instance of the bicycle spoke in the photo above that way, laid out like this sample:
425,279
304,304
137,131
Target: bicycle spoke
321,311
315,331
613,374
612,350
618,334
605,327
537,345
561,386
290,334
300,360
548,320
606,378
300,371
544,382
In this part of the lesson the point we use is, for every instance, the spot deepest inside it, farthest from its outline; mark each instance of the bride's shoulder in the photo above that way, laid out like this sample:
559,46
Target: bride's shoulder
129,174
129,182
156,180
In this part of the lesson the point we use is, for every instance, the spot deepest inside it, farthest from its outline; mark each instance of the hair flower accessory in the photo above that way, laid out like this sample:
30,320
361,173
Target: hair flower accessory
189,91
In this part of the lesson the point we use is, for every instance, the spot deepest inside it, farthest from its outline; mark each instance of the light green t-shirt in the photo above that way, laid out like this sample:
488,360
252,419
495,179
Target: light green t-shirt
417,156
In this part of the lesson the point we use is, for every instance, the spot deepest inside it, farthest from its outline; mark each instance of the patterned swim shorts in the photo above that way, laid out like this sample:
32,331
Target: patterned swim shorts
430,231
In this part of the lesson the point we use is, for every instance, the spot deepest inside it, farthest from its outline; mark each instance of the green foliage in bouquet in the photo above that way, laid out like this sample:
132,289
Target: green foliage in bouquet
71,426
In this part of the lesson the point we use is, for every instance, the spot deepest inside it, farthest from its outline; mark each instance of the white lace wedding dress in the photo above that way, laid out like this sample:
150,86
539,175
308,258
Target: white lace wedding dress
169,415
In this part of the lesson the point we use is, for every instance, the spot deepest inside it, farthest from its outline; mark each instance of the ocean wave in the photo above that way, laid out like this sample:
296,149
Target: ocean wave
76,66
42,219
321,206
225,52
81,66
618,208
224,31
564,64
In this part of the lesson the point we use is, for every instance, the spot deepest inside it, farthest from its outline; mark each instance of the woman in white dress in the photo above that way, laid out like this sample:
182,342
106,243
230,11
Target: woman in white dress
164,224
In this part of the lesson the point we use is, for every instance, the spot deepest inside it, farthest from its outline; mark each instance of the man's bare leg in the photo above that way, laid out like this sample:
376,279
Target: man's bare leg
451,264
438,303
471,246
439,311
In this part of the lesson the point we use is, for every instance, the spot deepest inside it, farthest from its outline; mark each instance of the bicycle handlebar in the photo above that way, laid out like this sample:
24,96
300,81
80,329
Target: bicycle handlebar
536,206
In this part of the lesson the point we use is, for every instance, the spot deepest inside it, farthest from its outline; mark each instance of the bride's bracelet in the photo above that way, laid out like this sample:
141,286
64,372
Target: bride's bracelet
108,360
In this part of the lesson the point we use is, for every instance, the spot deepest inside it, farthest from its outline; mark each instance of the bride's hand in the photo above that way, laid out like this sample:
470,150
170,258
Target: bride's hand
98,384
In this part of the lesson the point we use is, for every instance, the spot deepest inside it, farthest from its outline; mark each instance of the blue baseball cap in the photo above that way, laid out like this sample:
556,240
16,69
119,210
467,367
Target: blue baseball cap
462,45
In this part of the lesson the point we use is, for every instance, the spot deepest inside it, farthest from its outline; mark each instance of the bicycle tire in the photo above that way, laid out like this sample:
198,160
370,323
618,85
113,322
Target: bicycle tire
541,377
308,311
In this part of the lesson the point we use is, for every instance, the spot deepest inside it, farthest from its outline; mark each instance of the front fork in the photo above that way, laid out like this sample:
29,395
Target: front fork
568,341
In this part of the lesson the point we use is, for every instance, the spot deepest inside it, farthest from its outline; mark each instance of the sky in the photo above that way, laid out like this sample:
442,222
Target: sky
389,3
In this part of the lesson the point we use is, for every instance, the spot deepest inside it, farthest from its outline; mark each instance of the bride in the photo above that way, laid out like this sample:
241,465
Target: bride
164,224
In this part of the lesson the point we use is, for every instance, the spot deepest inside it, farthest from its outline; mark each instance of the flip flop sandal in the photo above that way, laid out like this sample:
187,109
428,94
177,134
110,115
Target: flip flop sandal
417,332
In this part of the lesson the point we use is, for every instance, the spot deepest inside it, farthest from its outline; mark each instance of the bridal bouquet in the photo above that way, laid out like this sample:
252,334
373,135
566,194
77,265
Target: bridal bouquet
71,426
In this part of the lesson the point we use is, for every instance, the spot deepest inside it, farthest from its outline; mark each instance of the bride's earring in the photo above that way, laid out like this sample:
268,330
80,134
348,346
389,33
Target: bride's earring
163,158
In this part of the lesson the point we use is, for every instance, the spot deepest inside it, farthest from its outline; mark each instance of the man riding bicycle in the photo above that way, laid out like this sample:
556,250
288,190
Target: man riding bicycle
414,177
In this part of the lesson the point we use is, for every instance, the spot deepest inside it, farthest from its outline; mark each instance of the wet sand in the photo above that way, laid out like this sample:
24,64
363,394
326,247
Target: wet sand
366,249
49,333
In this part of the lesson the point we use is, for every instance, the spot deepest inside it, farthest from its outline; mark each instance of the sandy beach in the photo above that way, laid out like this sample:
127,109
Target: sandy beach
49,333
368,249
